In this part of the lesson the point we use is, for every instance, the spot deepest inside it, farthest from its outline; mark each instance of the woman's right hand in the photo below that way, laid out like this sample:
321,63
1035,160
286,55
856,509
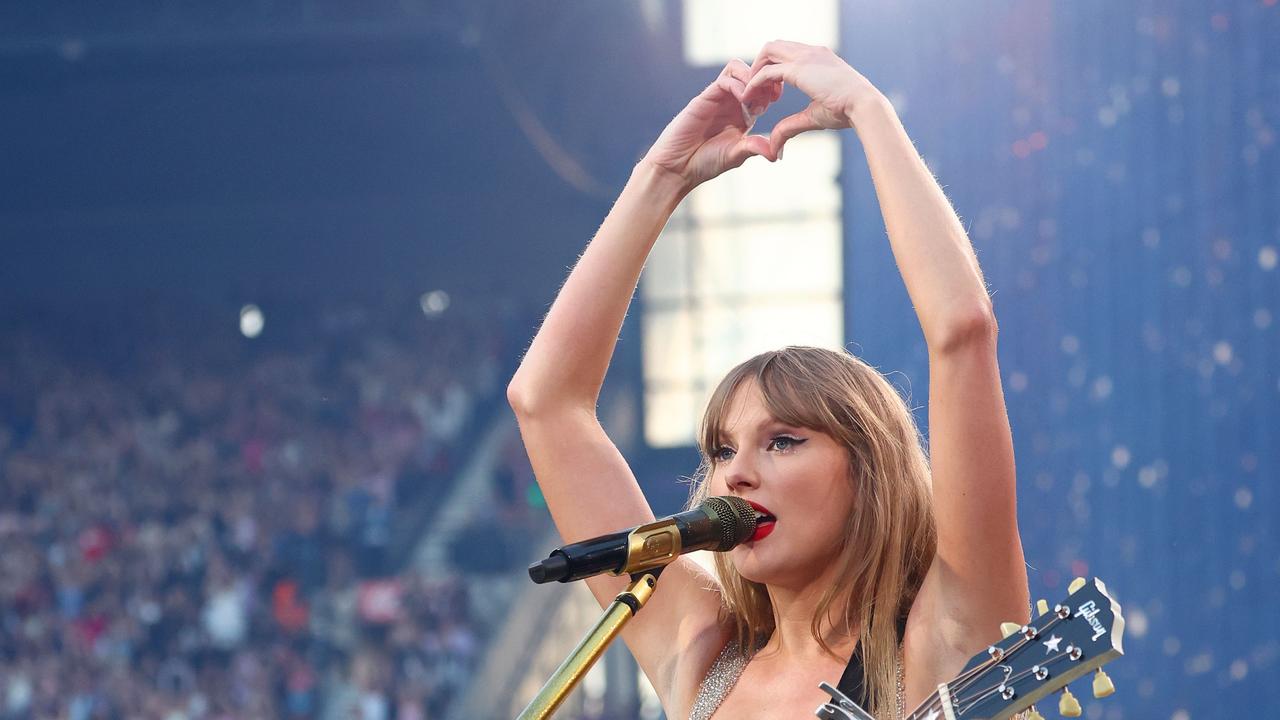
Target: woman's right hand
710,135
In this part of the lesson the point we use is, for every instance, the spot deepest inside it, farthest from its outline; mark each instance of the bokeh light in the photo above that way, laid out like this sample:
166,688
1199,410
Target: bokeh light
434,303
251,321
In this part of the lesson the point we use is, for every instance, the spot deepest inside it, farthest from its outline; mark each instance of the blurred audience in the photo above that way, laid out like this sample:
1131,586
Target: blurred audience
196,525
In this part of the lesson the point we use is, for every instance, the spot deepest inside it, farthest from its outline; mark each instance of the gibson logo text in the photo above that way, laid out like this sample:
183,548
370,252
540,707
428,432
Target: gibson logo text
1089,611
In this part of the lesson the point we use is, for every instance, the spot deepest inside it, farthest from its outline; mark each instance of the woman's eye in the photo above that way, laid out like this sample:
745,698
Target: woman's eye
722,454
784,443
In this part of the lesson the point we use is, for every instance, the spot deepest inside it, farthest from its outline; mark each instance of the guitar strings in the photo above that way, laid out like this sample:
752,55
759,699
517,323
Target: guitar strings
1007,681
959,685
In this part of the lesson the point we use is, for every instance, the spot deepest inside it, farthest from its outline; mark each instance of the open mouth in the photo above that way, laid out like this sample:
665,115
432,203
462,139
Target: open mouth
765,521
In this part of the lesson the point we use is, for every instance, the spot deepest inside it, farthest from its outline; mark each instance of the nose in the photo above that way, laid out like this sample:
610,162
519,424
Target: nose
740,474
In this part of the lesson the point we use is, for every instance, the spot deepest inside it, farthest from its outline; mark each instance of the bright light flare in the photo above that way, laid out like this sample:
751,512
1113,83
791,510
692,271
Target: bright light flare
434,303
251,321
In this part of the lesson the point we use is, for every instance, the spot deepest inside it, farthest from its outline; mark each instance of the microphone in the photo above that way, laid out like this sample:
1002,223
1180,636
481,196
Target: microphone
720,523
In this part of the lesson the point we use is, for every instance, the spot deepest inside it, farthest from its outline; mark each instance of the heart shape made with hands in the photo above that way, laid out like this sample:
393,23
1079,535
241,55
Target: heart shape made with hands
752,112
755,107
713,132
757,103
832,86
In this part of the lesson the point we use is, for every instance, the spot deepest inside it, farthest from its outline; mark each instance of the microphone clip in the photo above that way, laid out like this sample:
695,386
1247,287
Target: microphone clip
651,546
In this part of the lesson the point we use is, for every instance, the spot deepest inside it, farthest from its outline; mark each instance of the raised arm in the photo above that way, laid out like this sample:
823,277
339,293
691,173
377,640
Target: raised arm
589,488
978,578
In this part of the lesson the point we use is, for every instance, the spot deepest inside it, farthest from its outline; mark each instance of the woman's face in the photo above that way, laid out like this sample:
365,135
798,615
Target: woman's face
797,475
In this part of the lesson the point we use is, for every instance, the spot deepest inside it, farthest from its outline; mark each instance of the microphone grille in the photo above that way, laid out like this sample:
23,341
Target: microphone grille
737,520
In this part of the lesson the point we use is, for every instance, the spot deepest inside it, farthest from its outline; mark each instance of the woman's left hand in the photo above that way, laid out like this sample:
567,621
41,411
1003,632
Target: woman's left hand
835,89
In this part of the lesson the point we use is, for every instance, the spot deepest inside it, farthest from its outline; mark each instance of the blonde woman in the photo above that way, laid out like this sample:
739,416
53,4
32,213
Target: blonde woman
880,567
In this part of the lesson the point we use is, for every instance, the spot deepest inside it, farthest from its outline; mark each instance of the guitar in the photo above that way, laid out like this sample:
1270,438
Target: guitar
1080,634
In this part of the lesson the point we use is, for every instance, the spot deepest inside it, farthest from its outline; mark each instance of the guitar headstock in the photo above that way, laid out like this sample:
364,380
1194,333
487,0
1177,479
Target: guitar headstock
1078,635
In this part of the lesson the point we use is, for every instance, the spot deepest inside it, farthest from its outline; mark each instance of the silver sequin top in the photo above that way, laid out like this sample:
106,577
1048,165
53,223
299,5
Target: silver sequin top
726,670
720,679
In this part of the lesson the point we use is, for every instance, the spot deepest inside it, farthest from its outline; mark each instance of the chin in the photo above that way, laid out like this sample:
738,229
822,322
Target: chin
755,566
769,566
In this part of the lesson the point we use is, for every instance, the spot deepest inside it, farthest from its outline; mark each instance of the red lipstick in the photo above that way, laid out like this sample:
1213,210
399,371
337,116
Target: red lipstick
765,521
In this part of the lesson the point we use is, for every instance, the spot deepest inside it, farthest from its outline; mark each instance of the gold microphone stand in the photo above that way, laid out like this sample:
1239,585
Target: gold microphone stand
650,548
571,671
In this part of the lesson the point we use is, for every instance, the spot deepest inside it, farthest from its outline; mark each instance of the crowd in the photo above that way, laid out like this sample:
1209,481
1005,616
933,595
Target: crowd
197,525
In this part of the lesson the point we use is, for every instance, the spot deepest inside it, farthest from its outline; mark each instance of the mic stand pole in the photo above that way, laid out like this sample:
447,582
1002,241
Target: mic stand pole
571,671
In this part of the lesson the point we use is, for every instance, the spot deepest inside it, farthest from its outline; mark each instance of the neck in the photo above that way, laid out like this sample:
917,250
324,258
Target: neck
793,612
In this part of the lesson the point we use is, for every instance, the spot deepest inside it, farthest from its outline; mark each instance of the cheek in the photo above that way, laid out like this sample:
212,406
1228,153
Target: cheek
840,494
832,499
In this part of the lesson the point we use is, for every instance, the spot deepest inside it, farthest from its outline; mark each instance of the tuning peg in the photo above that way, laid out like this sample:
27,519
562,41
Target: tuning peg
1042,607
1009,628
1034,714
1075,585
1102,685
1068,706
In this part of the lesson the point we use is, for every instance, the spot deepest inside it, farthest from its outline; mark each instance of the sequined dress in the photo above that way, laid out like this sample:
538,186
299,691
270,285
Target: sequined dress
724,674
720,679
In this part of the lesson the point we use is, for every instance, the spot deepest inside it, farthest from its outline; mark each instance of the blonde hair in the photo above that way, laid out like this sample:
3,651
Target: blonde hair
890,538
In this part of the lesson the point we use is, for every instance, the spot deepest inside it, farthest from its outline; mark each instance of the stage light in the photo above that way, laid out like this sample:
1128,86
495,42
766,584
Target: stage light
1262,318
251,321
1120,457
434,303
1136,622
1243,499
1223,352
1268,258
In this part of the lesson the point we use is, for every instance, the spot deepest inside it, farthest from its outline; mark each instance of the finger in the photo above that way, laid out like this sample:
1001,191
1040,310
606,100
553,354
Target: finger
733,85
789,127
758,145
738,69
728,87
767,76
779,51
740,72
723,85
746,147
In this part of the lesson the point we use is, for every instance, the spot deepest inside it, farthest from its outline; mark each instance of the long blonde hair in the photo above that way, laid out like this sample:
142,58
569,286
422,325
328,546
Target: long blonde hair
890,538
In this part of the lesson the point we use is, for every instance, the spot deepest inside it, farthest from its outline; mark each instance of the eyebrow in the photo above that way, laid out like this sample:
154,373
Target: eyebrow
765,428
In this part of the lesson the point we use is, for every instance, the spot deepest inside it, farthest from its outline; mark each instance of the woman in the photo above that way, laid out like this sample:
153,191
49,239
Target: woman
911,563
